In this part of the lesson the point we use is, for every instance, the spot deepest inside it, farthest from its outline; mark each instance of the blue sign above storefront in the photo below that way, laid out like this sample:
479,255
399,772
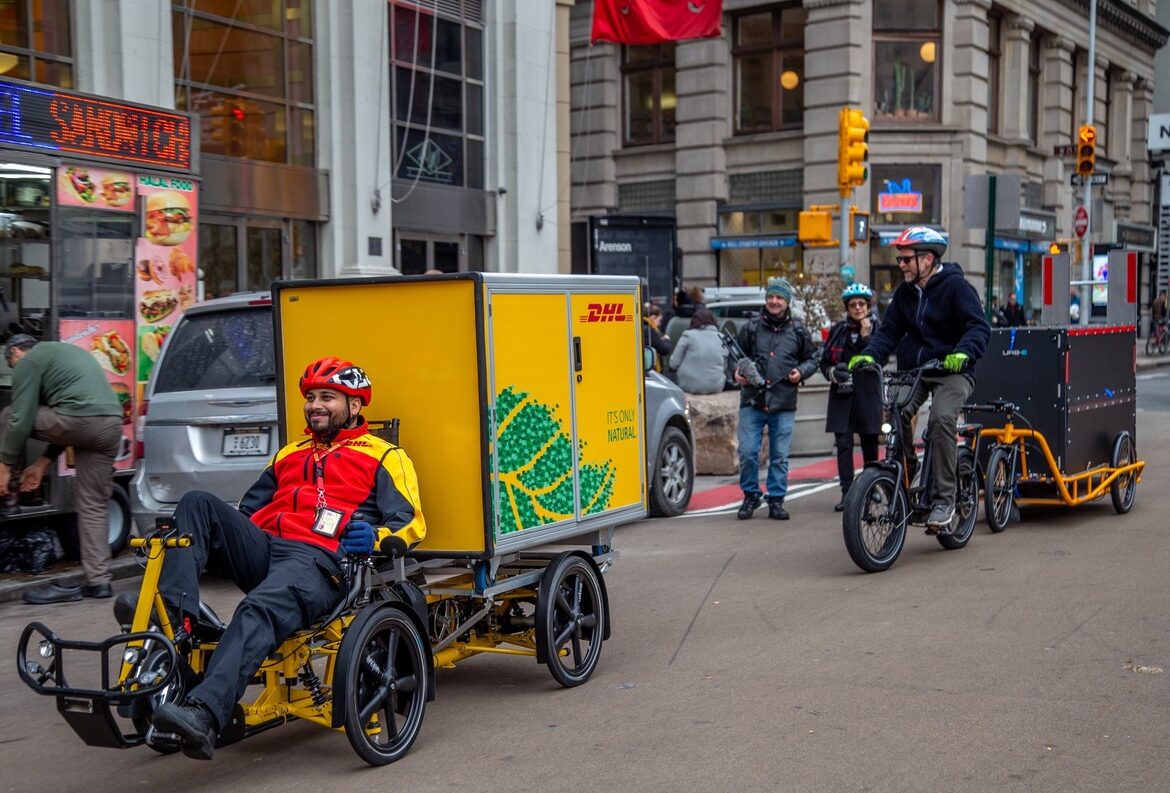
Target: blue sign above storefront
736,243
1027,246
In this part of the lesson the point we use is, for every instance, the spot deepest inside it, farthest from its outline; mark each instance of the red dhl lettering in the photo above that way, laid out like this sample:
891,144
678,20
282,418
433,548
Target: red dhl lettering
606,312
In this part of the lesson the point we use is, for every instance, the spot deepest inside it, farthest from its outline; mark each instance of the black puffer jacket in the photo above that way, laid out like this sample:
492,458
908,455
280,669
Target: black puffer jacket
777,345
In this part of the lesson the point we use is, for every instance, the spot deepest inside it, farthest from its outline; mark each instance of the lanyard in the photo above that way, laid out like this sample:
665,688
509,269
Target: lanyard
319,456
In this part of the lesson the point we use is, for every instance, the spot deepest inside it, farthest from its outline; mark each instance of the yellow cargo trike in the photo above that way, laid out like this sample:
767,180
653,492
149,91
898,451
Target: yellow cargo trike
520,401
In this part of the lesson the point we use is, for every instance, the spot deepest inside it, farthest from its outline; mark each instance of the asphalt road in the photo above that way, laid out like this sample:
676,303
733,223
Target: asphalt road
753,656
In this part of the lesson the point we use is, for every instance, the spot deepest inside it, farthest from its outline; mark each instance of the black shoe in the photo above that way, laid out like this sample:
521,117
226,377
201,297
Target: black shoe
776,509
99,591
194,725
840,505
751,502
52,593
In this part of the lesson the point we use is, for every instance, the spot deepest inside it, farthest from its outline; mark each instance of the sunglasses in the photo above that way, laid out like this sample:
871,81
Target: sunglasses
906,259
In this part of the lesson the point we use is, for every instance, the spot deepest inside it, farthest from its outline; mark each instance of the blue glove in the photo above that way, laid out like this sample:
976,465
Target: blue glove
358,538
955,361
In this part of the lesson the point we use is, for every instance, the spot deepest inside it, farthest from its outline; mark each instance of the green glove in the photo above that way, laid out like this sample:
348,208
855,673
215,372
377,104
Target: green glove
955,361
858,360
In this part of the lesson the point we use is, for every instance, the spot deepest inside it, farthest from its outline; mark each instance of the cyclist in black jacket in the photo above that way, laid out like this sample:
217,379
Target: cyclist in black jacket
934,314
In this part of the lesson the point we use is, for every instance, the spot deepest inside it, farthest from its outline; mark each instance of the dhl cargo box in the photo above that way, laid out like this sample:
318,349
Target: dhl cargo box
520,397
1077,386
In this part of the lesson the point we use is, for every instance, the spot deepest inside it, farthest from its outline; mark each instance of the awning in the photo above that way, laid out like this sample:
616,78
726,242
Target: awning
734,243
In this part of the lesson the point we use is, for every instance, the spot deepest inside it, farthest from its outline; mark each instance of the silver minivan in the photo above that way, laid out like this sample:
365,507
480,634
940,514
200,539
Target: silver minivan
210,419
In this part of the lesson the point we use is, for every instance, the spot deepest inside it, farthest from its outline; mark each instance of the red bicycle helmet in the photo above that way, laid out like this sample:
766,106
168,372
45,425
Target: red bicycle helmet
339,375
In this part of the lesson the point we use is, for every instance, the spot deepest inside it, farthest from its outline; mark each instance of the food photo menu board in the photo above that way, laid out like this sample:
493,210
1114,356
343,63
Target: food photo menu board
95,188
108,341
165,263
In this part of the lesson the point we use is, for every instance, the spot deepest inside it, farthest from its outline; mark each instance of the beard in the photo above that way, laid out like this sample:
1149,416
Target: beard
333,423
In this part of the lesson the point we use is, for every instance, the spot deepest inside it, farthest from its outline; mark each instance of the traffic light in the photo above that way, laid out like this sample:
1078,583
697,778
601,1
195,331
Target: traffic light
816,227
852,149
1086,150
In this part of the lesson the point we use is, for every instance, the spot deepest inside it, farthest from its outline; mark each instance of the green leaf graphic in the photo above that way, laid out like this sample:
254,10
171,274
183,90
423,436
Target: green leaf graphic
535,458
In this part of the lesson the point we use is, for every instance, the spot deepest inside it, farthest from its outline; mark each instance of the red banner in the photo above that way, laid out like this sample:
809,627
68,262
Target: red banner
655,21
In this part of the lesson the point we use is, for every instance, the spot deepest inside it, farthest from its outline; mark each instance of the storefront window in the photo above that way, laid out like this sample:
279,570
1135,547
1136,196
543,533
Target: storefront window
36,41
754,266
769,68
907,47
218,258
904,195
648,94
264,257
246,67
436,80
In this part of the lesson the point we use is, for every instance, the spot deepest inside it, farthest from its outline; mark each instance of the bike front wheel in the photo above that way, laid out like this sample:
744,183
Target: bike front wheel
1163,342
874,519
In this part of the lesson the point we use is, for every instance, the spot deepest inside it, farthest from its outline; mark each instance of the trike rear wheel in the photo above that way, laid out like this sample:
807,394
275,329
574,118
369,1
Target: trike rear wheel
570,619
966,502
1124,488
874,520
999,492
386,690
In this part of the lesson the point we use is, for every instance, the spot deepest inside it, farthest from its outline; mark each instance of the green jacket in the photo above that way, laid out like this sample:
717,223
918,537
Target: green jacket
61,376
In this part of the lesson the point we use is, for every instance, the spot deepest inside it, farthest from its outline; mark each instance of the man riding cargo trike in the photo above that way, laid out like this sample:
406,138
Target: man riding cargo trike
353,598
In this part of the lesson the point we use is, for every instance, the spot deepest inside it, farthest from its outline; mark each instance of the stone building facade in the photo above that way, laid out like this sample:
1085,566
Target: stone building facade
731,137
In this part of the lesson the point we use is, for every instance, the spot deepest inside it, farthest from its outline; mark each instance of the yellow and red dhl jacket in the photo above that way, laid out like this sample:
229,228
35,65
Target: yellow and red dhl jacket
361,475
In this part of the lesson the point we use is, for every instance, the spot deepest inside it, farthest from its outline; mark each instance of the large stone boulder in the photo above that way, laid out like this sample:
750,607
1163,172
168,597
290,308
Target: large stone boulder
715,418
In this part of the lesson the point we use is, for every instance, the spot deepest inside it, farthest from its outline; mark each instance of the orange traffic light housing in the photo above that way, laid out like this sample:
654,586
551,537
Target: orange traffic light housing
1086,150
816,227
852,149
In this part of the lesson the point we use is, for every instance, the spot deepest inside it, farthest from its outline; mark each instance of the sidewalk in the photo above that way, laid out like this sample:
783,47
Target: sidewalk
711,493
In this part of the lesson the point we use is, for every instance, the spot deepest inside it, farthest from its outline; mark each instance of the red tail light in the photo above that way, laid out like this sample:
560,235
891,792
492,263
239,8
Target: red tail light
140,431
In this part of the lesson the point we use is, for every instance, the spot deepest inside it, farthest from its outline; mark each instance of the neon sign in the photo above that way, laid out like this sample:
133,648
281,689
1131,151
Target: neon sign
58,121
899,198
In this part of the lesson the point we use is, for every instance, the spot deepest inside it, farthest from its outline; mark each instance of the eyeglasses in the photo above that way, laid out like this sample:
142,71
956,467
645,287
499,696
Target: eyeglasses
906,259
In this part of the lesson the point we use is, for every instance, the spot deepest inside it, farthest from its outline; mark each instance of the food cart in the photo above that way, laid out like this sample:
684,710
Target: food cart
98,248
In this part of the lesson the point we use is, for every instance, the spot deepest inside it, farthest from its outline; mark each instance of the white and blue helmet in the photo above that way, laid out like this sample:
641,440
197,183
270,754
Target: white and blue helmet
922,238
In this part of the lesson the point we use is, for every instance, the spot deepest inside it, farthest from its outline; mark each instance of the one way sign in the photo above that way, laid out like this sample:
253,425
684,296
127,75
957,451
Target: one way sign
1159,132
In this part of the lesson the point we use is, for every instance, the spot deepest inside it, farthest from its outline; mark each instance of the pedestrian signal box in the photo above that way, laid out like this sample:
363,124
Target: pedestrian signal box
816,227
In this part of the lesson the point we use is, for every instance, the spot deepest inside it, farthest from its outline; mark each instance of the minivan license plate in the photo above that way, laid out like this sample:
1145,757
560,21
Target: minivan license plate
246,441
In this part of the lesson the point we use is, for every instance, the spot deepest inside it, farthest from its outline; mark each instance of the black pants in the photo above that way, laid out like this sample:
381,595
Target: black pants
844,444
289,586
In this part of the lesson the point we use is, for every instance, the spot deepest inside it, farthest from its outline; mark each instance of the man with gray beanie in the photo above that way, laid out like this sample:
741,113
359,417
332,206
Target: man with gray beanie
785,356
60,395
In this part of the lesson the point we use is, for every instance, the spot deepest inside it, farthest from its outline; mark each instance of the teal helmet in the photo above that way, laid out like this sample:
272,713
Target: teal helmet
857,290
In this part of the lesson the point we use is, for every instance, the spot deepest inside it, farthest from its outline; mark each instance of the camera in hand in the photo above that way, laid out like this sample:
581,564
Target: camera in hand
748,370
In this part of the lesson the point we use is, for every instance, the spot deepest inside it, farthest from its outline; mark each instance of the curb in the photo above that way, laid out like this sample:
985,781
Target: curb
14,585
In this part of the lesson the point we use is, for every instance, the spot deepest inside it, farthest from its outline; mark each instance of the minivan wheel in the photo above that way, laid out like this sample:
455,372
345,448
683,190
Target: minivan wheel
118,517
673,475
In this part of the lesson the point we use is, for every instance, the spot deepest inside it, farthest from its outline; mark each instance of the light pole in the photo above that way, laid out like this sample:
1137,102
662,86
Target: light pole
1087,247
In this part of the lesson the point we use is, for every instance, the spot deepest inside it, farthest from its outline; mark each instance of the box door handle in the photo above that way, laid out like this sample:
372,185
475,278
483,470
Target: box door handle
576,353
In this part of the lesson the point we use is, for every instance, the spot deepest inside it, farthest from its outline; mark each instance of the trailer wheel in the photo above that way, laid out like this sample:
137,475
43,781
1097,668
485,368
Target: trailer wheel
570,619
1124,488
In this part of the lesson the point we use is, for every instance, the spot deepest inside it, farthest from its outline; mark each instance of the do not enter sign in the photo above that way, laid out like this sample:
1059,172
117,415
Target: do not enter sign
1081,221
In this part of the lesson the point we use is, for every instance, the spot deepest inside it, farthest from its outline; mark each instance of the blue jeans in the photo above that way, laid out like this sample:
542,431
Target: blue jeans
750,436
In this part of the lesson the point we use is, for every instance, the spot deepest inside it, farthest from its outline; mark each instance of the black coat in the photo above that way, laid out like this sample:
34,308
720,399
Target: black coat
861,411
777,346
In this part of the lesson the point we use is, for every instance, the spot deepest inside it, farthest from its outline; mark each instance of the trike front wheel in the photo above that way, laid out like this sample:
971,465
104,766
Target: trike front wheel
874,520
1123,490
999,492
386,689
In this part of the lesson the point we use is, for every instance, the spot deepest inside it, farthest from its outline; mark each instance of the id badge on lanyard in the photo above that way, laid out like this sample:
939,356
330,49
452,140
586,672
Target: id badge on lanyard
328,521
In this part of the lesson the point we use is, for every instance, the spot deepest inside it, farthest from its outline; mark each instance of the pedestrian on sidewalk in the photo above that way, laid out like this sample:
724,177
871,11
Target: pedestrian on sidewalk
699,357
855,400
60,395
785,356
1013,312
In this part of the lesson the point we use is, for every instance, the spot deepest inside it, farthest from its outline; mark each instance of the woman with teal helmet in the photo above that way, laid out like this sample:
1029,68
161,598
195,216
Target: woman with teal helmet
855,404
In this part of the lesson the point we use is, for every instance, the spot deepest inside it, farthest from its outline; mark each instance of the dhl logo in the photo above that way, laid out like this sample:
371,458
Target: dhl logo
607,312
